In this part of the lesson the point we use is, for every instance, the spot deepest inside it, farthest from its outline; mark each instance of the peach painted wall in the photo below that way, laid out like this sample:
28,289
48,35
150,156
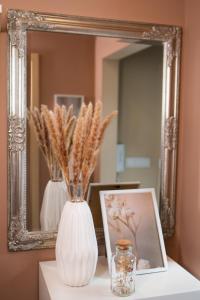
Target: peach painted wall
19,271
66,64
186,243
104,47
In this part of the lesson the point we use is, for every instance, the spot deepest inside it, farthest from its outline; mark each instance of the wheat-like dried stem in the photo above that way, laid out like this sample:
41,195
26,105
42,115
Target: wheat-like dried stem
91,142
69,114
37,121
88,172
88,136
77,148
49,119
76,153
107,120
88,119
60,125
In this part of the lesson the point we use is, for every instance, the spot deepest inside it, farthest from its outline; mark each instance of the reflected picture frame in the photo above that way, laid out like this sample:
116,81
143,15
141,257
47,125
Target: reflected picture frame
67,100
138,209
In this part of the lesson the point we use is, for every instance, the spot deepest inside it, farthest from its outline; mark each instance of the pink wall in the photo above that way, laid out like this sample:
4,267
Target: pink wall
104,47
186,243
66,64
19,271
152,11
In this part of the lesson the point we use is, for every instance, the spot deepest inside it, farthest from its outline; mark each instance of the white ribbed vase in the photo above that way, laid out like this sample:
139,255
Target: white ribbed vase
76,245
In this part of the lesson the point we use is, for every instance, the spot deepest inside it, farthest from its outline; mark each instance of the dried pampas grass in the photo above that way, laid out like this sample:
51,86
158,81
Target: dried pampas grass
60,125
87,139
38,123
72,143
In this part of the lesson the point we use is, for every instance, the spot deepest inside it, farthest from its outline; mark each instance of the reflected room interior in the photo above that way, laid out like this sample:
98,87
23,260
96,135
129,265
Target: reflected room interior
126,76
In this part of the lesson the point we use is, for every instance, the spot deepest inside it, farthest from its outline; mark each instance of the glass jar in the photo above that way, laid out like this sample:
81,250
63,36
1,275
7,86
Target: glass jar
123,267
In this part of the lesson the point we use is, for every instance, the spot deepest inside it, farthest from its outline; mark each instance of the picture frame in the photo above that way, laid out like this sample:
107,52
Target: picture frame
93,200
67,100
133,214
93,197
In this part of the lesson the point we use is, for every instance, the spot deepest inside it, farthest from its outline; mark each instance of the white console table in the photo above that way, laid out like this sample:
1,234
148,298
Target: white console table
174,284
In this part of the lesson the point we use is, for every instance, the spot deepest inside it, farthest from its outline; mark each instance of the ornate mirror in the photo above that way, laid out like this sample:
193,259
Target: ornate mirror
131,67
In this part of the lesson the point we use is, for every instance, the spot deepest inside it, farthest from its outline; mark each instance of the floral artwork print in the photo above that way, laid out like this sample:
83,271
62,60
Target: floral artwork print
134,219
119,215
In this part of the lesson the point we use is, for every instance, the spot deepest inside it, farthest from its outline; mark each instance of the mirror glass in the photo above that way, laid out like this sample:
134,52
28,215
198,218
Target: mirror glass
125,75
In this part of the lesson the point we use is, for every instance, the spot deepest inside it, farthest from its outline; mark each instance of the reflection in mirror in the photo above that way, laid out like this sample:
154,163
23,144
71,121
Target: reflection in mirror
125,75
132,84
61,69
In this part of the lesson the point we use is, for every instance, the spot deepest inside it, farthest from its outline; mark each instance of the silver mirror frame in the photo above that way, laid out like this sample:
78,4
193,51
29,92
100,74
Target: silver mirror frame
19,238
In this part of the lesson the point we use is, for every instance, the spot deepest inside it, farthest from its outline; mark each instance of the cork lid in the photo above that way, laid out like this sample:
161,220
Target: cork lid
123,244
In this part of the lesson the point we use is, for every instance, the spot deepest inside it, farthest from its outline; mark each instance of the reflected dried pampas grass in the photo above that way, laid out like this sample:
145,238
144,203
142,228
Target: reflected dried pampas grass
38,123
60,125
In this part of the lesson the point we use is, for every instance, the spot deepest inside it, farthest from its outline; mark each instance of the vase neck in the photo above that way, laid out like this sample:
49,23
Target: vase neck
76,192
55,173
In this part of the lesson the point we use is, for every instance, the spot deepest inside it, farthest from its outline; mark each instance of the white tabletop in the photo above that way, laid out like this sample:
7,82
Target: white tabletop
174,284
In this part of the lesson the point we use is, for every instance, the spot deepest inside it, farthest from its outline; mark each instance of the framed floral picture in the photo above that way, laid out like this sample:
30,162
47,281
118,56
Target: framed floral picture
93,199
133,214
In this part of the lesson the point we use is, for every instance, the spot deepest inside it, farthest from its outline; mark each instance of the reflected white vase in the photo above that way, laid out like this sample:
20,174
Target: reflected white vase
53,202
76,245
